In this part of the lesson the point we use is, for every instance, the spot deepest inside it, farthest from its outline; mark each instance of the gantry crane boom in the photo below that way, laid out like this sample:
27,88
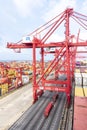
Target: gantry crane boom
65,53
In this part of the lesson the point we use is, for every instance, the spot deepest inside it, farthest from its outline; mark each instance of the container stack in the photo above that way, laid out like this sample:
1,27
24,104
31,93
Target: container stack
84,77
25,79
80,82
3,86
78,79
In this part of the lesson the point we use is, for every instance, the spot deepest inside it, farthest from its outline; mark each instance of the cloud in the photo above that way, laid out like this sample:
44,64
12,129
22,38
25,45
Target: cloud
21,16
55,7
84,6
83,35
10,54
10,17
25,7
2,40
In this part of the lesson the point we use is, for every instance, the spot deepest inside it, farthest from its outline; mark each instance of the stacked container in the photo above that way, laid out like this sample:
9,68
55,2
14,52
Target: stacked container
78,79
3,88
84,76
25,79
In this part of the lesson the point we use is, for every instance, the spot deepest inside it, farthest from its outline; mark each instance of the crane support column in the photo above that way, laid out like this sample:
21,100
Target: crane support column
68,12
34,74
42,65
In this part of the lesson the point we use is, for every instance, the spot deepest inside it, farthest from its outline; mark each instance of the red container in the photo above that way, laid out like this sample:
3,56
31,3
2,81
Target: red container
40,93
48,109
80,113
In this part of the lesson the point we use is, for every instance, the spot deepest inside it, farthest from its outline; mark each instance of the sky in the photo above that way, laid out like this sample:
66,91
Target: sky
20,17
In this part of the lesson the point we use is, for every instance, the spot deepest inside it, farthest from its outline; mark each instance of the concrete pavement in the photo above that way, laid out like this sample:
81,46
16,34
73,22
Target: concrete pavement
14,105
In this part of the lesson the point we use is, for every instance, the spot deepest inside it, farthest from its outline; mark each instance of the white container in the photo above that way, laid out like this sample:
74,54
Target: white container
78,79
25,79
27,39
84,76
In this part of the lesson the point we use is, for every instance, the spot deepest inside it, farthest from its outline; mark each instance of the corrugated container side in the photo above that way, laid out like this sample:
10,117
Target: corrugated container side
84,76
25,79
78,79
82,70
3,89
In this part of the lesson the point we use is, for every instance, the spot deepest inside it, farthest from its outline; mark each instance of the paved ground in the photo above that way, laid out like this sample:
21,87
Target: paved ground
14,105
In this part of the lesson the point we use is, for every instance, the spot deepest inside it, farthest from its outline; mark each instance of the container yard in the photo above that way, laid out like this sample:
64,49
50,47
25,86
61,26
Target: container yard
14,75
46,95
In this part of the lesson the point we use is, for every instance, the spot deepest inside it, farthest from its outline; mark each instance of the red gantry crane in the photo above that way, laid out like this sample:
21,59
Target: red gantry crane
64,53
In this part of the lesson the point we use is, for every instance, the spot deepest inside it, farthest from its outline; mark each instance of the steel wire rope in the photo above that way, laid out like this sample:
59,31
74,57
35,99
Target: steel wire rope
80,14
80,17
43,26
79,22
52,29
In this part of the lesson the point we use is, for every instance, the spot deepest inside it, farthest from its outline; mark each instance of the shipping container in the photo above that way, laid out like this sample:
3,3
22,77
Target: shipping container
30,75
3,89
78,79
84,76
25,79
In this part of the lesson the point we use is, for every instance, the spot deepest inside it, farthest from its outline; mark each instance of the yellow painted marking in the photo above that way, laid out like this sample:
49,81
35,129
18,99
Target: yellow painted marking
85,90
79,91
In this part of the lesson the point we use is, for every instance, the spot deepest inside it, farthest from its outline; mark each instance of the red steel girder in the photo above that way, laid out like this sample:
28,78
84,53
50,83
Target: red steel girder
39,45
48,108
55,88
55,82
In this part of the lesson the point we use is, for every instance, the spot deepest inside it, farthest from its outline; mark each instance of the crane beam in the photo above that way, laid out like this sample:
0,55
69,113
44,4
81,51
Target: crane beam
48,45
